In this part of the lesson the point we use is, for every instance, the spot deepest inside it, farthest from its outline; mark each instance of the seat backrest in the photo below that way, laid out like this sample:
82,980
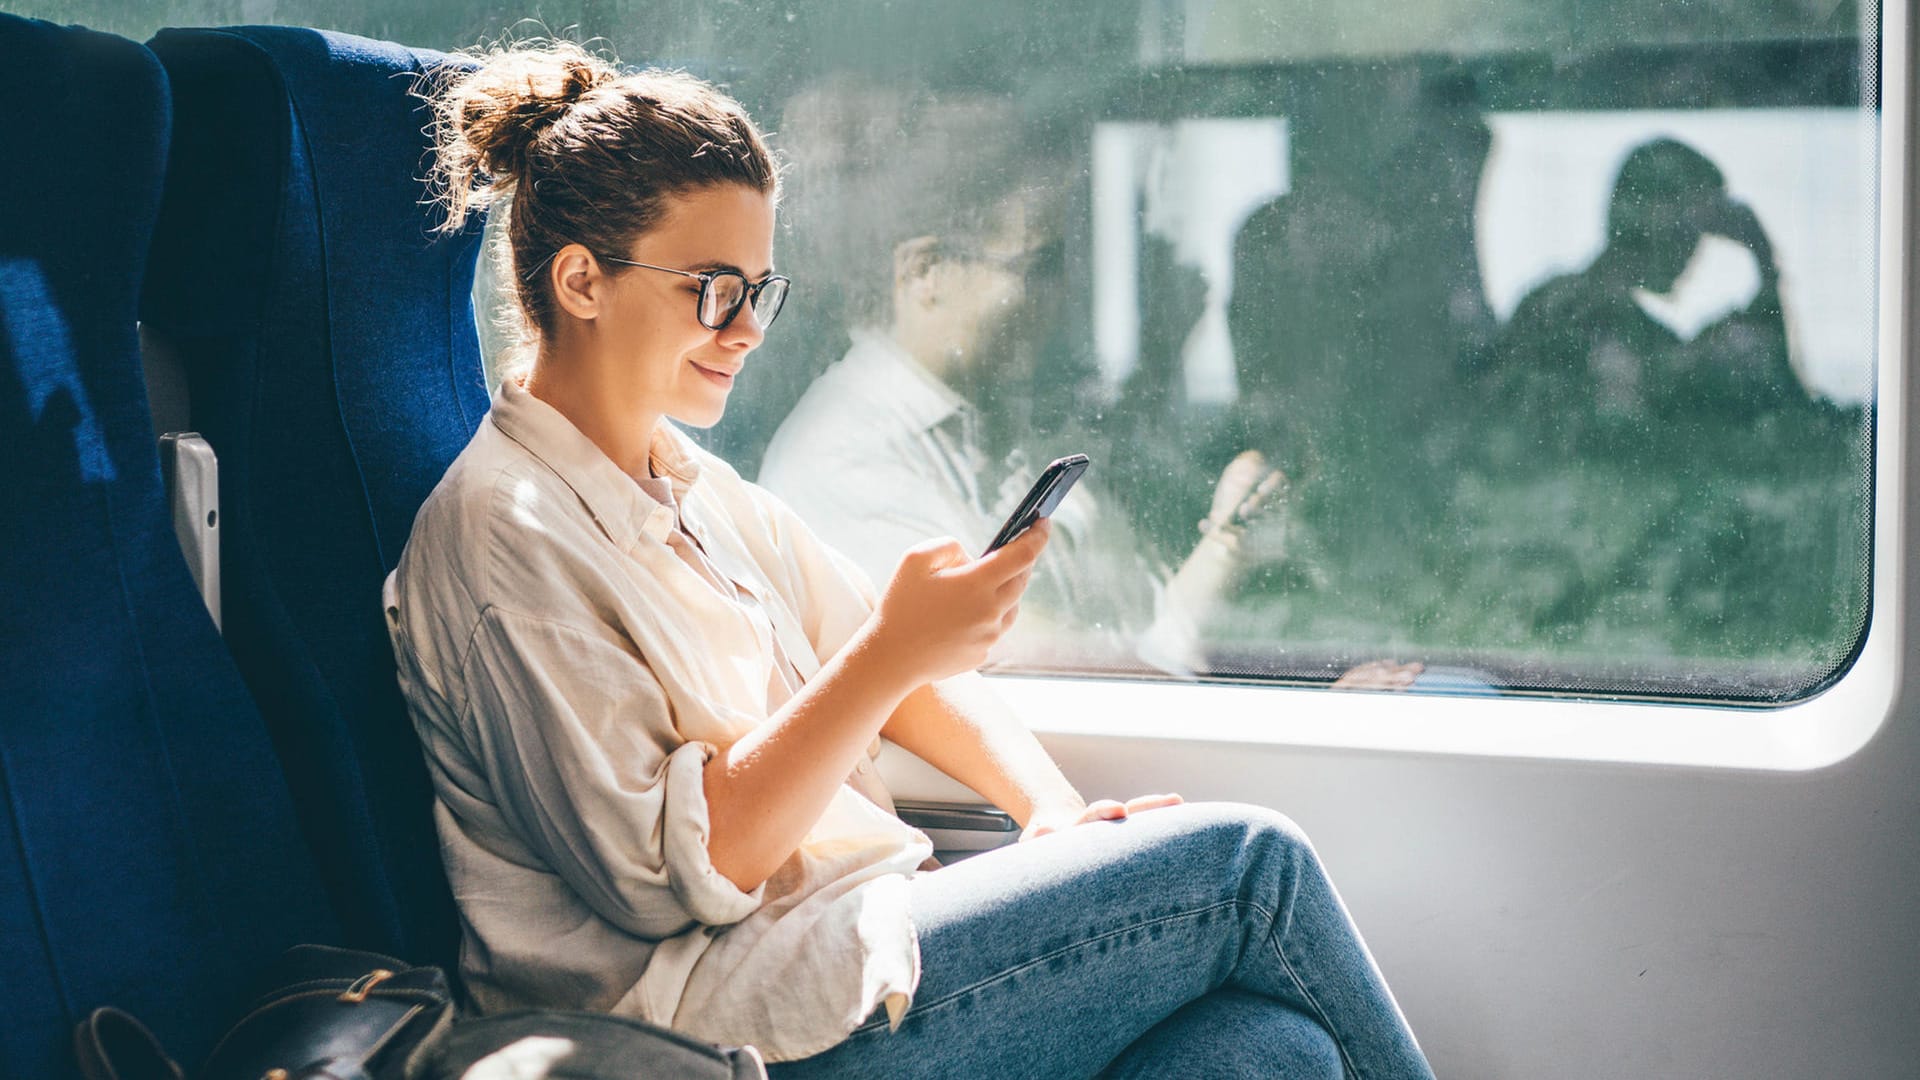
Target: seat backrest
148,852
333,364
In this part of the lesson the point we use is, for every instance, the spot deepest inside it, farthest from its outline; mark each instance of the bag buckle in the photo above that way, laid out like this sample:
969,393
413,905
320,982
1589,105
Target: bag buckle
364,985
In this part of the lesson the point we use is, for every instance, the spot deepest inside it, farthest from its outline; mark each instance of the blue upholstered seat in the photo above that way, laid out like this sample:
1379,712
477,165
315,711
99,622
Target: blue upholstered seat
333,364
148,852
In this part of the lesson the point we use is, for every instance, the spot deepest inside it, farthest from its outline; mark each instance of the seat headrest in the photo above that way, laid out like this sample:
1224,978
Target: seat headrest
298,179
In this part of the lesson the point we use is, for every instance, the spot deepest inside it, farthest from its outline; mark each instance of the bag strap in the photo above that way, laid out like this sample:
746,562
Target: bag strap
112,1045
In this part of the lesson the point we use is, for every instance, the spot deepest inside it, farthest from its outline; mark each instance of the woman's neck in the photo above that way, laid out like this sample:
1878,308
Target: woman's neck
622,432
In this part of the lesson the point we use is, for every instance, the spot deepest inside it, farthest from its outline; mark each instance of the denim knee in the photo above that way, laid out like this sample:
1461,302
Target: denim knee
1245,828
1236,851
1256,820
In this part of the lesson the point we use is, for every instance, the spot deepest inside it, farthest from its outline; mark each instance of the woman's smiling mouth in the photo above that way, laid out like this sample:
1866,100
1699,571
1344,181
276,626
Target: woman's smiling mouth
723,378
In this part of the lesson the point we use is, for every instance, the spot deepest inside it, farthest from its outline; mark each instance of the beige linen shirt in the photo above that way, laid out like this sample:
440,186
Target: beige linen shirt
570,675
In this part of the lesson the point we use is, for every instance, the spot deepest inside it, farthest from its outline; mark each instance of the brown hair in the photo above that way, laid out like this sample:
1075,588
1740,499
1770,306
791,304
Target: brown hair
584,153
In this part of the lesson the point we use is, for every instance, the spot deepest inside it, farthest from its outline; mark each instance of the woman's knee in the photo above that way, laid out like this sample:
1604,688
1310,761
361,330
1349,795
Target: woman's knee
1245,825
1241,843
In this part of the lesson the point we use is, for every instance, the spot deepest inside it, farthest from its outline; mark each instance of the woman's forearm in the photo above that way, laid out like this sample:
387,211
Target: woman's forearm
961,727
941,613
765,791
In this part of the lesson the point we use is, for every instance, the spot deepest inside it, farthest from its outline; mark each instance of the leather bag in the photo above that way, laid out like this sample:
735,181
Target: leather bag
333,1014
338,1014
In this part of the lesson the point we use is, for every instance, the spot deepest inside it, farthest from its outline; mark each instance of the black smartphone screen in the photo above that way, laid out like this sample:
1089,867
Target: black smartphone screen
1041,499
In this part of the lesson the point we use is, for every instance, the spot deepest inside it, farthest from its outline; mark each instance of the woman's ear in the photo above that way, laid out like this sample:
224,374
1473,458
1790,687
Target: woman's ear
576,278
913,264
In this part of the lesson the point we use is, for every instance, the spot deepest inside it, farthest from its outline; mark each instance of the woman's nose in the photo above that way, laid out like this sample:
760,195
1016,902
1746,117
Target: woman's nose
745,331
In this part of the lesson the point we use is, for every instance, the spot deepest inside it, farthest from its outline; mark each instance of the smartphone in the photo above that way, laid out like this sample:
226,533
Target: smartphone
1041,499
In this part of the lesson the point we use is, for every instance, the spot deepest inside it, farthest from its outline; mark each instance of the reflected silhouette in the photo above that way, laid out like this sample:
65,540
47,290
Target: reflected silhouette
1583,355
1710,484
1356,293
1356,306
1356,309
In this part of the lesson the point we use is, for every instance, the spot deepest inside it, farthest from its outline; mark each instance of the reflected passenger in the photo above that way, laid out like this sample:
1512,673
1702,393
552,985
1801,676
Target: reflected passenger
1583,350
883,451
1357,292
1356,308
1720,472
648,694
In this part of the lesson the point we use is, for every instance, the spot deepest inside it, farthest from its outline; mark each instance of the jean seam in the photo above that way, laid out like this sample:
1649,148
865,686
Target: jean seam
1319,1013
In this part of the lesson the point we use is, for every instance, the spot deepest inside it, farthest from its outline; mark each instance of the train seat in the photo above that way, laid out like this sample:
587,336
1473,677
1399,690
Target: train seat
151,859
332,360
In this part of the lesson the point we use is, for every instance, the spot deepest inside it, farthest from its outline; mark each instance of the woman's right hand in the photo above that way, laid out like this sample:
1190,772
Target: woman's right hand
943,610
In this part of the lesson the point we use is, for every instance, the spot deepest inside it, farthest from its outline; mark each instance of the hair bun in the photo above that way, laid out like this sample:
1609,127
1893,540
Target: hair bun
487,120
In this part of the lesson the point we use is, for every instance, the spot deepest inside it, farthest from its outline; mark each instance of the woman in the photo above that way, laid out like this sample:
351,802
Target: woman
649,697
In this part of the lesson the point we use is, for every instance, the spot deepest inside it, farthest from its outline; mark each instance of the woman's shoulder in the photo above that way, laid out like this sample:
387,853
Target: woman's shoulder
477,494
497,524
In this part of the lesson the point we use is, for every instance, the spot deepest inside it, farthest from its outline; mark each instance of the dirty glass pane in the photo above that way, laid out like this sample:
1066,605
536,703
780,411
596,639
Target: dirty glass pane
1550,325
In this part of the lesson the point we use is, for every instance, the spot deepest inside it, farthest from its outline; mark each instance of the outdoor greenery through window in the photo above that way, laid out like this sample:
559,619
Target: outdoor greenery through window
1531,342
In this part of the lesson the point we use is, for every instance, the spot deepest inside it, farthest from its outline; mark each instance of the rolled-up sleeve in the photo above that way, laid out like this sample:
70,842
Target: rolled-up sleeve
577,737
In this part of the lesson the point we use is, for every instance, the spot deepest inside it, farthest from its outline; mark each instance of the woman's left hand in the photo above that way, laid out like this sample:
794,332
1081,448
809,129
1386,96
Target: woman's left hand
1049,821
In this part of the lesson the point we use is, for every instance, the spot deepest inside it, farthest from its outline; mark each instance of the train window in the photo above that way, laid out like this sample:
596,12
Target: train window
1510,349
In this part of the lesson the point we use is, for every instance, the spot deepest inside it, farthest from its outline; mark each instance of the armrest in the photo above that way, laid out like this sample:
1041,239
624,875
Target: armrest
959,829
192,478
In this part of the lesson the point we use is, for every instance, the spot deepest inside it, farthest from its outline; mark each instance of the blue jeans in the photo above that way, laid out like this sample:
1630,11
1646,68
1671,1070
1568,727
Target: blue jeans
1198,940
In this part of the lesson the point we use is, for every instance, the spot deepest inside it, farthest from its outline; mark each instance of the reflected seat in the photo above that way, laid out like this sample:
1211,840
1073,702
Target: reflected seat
148,853
330,354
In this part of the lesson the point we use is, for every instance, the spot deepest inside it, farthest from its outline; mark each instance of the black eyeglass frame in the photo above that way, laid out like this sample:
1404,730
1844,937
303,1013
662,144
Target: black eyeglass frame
749,291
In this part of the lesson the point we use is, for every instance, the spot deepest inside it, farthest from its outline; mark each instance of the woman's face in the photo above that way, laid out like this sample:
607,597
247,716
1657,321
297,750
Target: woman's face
673,363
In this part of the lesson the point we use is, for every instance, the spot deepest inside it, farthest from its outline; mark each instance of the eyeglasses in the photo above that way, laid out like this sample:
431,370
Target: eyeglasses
724,292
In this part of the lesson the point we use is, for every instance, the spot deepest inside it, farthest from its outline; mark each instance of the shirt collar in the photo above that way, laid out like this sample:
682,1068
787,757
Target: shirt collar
885,369
623,509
